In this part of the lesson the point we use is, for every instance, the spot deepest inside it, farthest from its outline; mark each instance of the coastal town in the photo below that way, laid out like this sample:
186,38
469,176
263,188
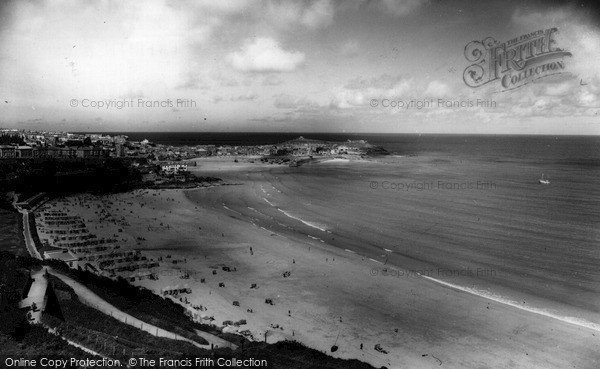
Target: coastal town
98,227
60,235
49,144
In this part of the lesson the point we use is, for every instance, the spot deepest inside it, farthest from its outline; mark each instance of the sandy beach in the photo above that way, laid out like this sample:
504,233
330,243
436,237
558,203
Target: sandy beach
334,277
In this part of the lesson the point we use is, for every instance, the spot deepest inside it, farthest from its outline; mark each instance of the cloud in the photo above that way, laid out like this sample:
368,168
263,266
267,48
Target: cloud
285,101
251,96
358,91
588,98
312,14
577,33
384,81
437,88
401,8
264,54
190,82
272,80
116,47
133,95
350,48
558,89
578,91
230,82
318,14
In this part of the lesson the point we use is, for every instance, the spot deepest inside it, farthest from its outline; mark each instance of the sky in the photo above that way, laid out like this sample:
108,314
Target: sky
290,66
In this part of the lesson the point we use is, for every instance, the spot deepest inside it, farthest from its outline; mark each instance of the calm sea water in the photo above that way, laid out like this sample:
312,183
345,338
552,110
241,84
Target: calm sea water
542,242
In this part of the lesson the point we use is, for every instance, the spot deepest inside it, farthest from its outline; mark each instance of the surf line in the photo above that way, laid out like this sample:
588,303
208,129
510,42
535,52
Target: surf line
566,319
303,221
225,206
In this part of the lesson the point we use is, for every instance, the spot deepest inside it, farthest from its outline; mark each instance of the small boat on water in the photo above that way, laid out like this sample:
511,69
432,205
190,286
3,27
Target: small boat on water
544,180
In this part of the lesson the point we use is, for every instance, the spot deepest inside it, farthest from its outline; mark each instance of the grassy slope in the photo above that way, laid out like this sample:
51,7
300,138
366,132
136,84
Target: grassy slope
103,333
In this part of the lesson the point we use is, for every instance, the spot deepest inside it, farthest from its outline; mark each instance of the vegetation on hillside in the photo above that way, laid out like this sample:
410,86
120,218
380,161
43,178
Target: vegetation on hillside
95,330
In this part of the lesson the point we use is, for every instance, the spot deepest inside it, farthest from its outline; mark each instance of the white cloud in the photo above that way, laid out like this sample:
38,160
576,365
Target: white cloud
437,88
264,54
587,98
359,91
558,89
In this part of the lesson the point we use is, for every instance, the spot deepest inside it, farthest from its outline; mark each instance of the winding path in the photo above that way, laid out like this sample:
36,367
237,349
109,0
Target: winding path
29,243
88,297
37,294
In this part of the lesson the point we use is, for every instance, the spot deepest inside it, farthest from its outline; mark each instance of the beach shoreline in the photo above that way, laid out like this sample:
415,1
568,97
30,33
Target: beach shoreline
329,295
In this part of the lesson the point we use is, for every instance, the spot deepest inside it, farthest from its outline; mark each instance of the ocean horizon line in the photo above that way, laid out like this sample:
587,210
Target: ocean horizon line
347,133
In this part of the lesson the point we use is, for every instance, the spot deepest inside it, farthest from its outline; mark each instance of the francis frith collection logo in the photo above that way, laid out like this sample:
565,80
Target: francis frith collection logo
516,62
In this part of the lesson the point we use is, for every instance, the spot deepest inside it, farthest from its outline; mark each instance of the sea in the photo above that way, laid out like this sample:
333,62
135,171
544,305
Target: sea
466,211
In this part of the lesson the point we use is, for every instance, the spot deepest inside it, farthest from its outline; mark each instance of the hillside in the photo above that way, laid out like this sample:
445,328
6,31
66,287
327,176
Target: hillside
81,324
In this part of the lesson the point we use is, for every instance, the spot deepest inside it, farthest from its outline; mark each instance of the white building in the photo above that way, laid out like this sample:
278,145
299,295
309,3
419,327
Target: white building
64,255
173,167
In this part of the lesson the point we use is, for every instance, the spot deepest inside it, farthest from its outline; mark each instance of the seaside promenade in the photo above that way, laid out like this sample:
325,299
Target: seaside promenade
27,235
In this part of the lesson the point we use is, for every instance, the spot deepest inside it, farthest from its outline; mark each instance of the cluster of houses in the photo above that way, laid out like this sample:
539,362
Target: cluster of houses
33,144
302,147
18,151
299,147
69,145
